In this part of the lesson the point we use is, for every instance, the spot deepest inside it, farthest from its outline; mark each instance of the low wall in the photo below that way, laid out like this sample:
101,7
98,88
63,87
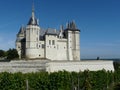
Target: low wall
52,66
23,66
80,66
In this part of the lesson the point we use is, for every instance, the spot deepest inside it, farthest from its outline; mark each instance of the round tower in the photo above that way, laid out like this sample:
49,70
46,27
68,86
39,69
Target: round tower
20,42
32,36
73,35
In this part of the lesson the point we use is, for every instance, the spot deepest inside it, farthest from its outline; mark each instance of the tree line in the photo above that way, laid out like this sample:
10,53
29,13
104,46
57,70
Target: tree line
9,54
62,80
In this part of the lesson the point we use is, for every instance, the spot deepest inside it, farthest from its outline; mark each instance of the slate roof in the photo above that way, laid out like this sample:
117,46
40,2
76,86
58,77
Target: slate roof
49,31
32,21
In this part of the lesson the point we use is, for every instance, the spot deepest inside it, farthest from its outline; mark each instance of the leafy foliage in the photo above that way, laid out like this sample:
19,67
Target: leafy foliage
10,81
12,54
2,53
62,80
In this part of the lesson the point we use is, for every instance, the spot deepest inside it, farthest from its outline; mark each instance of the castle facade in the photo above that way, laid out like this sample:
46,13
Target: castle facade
33,42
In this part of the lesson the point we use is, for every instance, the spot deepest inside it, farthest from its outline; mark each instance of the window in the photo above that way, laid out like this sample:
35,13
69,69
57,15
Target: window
37,45
49,42
57,47
53,42
43,46
37,38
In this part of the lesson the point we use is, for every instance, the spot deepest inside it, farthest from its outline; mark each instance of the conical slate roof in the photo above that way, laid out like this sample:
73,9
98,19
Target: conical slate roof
22,30
33,20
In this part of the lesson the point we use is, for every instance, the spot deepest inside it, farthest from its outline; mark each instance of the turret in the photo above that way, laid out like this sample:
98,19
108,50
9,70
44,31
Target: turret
20,42
32,36
73,35
33,20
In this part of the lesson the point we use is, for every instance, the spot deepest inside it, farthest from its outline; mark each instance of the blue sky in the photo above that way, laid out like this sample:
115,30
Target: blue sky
98,20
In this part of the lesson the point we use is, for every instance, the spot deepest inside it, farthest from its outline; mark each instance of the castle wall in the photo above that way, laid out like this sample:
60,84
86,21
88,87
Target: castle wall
76,45
23,66
32,39
18,48
77,66
51,47
41,49
69,47
44,65
62,49
32,53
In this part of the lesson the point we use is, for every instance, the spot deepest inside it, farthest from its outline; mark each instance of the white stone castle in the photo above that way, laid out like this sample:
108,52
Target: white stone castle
33,42
50,50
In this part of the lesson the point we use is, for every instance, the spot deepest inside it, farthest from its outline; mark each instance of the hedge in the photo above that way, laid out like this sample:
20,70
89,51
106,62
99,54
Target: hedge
62,80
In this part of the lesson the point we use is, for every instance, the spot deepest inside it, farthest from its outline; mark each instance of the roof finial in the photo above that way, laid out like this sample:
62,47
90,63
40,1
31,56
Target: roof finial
33,9
33,20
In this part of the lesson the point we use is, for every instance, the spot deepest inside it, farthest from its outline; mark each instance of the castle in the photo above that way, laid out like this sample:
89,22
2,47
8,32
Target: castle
33,42
51,50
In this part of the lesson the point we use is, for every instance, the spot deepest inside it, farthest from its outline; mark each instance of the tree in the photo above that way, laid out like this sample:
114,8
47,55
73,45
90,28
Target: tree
12,54
2,53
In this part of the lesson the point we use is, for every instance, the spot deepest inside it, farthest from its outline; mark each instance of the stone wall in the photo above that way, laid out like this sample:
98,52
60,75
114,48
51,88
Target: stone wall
23,66
52,66
80,66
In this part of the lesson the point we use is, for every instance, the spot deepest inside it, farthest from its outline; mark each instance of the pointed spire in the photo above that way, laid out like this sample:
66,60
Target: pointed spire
33,20
73,24
21,31
33,10
68,25
38,21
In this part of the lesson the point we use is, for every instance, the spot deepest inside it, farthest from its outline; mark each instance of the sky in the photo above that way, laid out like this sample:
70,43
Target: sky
98,20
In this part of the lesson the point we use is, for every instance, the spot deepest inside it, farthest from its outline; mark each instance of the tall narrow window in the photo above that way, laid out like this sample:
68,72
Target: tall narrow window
49,42
53,42
37,38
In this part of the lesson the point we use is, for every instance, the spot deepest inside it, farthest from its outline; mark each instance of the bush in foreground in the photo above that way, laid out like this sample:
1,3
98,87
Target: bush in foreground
62,80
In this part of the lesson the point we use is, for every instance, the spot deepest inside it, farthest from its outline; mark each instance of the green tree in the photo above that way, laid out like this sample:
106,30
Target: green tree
2,53
12,54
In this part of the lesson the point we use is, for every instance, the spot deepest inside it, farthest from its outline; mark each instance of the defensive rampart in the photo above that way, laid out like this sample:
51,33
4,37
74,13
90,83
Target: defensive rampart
52,66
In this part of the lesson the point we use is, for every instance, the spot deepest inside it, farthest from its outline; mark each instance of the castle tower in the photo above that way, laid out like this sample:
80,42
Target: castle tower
73,35
20,42
76,42
32,36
